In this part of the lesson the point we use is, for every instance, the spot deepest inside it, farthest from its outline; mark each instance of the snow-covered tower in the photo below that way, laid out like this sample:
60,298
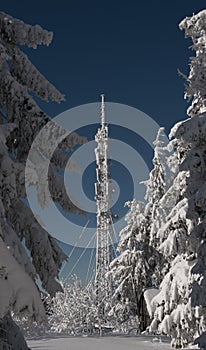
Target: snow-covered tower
103,191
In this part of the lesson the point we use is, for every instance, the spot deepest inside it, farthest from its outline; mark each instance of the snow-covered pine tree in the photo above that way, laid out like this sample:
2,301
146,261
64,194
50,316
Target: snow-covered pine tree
132,270
194,28
156,186
181,303
139,265
170,304
21,120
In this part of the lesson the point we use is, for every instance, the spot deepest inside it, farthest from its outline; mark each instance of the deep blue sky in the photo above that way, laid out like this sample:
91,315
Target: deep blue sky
130,50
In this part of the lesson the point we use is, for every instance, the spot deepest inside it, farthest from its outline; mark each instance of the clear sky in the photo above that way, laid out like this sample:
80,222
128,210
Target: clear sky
130,50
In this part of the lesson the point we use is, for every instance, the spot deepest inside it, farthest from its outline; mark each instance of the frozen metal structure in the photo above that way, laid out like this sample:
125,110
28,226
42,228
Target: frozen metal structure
103,192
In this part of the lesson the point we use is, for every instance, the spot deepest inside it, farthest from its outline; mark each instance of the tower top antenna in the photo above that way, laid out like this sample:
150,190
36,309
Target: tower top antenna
103,110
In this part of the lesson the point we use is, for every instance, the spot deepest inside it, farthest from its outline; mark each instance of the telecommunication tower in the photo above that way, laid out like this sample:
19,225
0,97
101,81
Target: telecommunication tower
103,196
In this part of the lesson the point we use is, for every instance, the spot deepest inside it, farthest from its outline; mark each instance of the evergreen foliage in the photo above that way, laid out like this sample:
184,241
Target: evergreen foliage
20,122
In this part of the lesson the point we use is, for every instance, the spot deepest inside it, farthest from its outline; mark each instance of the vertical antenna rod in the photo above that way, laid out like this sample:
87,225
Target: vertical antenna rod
102,110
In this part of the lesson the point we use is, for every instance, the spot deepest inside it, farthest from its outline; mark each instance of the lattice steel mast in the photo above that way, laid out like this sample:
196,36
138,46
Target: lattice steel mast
103,191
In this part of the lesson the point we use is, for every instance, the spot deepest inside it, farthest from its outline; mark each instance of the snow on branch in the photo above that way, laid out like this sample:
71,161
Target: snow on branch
47,257
18,292
16,31
195,28
27,74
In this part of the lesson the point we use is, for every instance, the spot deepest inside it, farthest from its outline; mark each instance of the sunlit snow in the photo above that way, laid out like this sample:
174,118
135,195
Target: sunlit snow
108,342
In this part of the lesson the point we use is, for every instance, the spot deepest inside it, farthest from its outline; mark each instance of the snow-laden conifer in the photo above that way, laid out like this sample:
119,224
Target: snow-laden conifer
20,122
133,270
180,304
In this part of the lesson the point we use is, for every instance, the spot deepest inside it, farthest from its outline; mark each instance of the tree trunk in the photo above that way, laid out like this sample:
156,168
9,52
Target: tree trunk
143,315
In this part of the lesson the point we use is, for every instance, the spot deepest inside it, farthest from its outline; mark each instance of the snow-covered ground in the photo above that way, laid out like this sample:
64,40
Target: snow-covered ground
103,343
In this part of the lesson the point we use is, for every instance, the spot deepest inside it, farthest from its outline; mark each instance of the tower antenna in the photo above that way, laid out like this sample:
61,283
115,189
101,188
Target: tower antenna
103,191
102,110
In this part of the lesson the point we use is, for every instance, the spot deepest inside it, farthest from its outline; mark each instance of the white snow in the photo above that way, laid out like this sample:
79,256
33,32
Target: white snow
18,292
149,294
103,343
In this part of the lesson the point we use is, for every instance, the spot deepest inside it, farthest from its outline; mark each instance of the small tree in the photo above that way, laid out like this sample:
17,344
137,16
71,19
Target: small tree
139,265
156,186
74,310
133,269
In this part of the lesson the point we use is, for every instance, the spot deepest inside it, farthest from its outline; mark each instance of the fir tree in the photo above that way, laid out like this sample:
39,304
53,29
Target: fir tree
21,120
133,270
139,265
156,186
180,305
